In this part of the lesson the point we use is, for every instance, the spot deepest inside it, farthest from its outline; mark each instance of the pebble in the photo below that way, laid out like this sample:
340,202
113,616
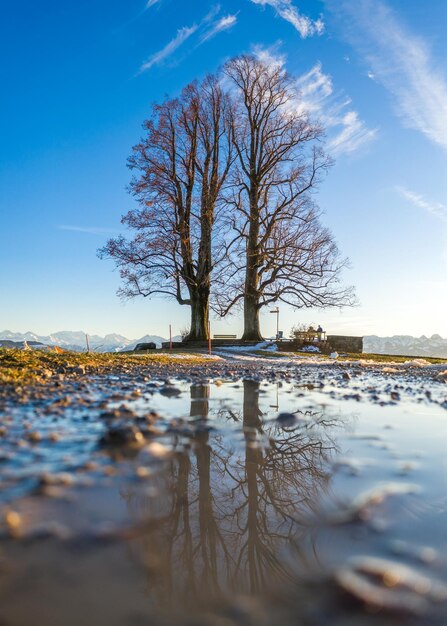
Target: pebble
389,586
122,411
170,391
34,436
61,478
143,472
123,434
158,450
110,470
361,507
13,521
424,554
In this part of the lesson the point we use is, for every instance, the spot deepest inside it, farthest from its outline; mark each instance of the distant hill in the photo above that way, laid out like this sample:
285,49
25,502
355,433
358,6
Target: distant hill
7,343
75,340
434,346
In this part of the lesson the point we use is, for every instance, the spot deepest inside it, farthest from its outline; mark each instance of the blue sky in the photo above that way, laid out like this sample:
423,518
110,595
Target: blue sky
78,79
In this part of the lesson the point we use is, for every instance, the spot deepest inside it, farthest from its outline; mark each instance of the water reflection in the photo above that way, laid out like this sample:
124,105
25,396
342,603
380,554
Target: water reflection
228,509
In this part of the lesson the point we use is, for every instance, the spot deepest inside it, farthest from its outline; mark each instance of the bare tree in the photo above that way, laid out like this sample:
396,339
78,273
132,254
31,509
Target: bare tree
180,166
283,252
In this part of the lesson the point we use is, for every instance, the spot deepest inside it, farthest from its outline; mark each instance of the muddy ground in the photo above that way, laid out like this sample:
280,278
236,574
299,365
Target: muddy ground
236,491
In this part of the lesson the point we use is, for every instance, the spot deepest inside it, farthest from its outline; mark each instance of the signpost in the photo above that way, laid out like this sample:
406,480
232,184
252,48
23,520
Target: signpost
276,312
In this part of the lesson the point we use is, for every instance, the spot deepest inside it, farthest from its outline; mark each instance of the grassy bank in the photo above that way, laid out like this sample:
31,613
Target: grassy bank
29,366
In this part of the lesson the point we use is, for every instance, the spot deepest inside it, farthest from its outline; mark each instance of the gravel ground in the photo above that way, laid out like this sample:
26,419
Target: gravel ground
70,444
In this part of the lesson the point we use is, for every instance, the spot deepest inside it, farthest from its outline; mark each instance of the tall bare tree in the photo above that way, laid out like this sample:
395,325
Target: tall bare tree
284,252
180,166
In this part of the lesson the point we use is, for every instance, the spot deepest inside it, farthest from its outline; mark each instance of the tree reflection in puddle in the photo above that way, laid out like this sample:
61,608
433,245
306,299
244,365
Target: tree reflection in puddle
229,510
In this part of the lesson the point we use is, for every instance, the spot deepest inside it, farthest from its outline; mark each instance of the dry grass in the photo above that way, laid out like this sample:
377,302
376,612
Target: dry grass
30,366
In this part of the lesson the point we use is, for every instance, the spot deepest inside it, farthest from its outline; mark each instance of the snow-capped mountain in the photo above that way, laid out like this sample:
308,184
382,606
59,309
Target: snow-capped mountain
435,346
76,340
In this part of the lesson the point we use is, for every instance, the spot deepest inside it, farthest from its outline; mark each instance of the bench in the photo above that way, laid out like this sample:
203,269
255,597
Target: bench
311,336
224,336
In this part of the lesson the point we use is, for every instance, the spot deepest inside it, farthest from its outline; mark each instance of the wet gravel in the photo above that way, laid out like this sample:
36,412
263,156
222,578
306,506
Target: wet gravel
68,447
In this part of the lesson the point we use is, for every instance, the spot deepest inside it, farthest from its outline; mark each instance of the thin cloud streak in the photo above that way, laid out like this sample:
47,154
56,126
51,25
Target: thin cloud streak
89,230
151,3
354,134
224,23
401,62
182,35
289,12
437,209
347,132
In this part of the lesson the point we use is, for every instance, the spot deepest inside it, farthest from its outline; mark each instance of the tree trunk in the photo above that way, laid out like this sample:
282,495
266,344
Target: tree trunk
252,331
199,315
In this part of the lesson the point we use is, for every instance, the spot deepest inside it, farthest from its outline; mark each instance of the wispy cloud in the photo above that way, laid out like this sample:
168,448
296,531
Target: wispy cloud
353,134
347,132
89,230
150,3
224,23
289,12
401,61
271,56
437,209
182,35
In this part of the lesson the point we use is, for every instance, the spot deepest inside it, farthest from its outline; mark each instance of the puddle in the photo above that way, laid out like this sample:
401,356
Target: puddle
242,502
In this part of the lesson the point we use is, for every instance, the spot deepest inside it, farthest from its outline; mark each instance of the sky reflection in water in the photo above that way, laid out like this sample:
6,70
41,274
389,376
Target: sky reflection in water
246,505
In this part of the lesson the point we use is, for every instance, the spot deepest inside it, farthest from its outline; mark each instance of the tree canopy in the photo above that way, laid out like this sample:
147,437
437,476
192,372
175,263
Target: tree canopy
225,179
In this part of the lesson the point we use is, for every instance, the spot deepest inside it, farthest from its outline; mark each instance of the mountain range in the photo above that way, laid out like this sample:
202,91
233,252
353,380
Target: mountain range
76,340
435,346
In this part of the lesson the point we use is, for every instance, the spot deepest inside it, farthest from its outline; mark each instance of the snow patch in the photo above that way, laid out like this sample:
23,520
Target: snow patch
417,362
264,345
310,349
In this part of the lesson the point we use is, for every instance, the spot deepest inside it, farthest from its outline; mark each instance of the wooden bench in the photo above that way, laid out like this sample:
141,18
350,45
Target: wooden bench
224,336
311,337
